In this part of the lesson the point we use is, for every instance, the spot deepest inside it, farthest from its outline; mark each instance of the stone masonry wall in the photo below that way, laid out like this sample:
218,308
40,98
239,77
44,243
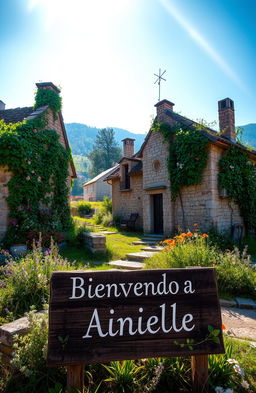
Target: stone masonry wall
4,178
130,201
155,174
202,204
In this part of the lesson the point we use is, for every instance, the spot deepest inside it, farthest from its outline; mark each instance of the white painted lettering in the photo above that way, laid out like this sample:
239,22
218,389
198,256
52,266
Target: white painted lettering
188,287
78,283
96,324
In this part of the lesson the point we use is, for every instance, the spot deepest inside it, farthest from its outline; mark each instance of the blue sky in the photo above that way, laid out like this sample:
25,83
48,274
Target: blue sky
104,53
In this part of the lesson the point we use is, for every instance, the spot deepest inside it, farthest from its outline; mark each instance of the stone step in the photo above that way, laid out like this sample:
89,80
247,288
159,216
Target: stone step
139,256
127,265
153,249
143,243
153,235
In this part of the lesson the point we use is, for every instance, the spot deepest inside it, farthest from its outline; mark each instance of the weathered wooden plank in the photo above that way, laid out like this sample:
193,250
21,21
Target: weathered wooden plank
115,315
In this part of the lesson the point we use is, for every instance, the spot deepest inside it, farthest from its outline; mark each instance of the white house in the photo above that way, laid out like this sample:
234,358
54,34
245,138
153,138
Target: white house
96,188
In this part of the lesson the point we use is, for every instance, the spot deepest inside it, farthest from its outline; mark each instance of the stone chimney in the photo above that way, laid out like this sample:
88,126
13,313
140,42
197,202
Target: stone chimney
48,85
128,147
227,118
2,105
161,107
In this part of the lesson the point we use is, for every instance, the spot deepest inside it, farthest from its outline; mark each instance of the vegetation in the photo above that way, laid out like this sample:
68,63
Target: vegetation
38,191
187,155
105,152
237,175
227,373
83,208
104,215
235,273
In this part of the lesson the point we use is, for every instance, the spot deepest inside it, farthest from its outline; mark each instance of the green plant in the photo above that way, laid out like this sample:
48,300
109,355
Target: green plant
26,282
83,208
123,376
107,205
38,190
238,176
187,154
50,98
29,360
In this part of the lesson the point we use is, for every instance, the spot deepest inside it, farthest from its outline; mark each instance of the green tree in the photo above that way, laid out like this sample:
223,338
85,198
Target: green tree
105,152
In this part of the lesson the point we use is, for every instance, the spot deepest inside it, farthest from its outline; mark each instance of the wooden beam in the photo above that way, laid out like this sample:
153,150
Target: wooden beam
75,378
199,369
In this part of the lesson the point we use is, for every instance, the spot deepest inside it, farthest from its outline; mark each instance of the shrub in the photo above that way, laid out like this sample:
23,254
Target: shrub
107,205
26,282
83,208
29,361
235,273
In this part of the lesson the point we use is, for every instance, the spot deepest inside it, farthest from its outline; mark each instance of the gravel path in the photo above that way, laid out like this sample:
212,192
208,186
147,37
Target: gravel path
240,323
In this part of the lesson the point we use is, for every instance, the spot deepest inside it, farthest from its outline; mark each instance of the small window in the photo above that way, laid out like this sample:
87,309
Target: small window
156,165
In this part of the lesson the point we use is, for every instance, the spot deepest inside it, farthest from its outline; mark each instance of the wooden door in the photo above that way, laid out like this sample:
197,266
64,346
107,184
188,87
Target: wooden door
158,213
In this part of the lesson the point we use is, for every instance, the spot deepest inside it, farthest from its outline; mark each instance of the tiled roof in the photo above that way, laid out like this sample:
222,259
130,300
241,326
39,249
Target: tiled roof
136,168
114,174
101,175
15,115
19,114
208,132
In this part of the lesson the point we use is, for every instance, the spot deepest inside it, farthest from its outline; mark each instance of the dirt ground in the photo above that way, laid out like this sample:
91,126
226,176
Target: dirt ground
240,323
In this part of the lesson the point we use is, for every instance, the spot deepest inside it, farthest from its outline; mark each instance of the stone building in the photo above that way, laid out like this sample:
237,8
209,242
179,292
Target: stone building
27,113
141,183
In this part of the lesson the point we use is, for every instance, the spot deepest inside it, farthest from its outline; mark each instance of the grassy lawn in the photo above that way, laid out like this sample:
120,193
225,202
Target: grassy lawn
118,245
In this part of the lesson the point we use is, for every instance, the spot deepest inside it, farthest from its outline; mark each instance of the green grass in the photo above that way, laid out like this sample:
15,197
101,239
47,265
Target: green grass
118,245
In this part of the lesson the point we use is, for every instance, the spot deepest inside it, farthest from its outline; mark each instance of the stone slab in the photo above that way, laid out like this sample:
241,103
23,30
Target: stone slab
139,256
153,249
143,243
245,303
228,303
128,265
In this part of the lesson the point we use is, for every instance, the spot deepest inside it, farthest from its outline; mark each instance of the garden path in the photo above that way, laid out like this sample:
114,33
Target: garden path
240,322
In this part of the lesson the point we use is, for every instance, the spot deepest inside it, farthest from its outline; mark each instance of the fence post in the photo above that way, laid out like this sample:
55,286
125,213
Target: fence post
75,378
199,368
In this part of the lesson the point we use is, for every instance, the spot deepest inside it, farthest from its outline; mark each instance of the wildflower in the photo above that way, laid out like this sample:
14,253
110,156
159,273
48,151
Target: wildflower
219,389
229,390
232,361
245,384
29,162
28,178
238,369
35,130
39,178
224,327
189,234
204,235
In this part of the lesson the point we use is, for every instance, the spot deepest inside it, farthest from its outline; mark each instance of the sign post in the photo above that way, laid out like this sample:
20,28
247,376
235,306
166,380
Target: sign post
102,316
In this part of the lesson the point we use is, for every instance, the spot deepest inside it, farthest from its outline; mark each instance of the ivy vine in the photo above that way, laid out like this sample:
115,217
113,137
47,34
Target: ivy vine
187,156
37,191
238,176
50,98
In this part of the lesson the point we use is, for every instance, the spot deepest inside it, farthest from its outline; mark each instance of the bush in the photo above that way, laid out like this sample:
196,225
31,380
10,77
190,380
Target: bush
26,282
83,208
235,273
29,360
104,215
107,205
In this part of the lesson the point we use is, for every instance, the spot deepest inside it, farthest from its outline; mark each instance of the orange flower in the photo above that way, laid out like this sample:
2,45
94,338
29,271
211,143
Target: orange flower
223,326
189,234
204,235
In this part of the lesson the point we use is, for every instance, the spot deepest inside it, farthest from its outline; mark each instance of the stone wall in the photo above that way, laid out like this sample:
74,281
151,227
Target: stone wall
94,241
4,178
156,181
202,204
126,202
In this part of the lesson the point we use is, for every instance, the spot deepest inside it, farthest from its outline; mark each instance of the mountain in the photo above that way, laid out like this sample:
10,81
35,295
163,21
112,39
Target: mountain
249,134
81,137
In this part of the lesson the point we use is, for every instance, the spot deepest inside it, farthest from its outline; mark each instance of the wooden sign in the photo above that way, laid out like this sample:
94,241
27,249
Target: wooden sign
102,316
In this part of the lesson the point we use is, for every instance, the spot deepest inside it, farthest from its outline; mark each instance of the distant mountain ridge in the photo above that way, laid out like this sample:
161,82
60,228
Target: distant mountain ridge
249,134
81,137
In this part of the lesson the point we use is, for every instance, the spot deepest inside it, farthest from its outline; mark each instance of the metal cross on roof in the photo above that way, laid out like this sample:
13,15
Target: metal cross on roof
159,78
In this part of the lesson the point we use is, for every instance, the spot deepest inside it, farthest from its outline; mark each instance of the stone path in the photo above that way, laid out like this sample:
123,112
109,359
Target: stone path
240,322
135,259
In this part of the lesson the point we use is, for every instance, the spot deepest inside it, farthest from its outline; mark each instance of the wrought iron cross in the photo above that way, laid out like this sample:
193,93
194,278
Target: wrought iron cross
158,81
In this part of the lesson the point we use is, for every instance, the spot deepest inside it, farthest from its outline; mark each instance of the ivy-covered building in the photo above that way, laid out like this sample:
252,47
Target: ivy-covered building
36,167
187,174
